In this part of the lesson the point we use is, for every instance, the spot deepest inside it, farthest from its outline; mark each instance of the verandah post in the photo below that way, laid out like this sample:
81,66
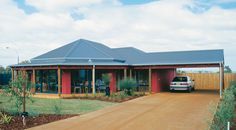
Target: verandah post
12,74
125,73
93,79
59,80
150,79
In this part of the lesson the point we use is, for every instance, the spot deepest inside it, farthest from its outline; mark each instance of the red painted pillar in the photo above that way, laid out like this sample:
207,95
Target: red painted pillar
113,82
66,82
155,82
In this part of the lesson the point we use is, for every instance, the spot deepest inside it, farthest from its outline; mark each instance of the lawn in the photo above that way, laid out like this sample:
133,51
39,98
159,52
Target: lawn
47,106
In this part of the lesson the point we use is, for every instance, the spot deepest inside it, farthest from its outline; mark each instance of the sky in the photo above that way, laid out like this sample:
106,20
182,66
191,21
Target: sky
29,28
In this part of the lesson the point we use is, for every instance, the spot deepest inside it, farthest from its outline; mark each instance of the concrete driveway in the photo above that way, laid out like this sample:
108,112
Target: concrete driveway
161,111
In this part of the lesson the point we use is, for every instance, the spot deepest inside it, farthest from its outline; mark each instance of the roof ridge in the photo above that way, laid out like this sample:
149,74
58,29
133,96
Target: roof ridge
99,49
130,48
70,50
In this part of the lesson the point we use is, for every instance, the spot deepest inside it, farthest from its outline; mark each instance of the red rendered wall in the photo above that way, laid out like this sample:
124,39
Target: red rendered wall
113,82
161,79
154,81
66,82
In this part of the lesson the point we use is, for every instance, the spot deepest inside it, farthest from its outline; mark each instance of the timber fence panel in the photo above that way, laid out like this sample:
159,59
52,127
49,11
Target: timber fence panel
210,80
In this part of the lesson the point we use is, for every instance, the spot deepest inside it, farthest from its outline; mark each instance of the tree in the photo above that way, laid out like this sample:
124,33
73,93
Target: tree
181,71
227,69
8,69
2,69
5,70
25,62
19,90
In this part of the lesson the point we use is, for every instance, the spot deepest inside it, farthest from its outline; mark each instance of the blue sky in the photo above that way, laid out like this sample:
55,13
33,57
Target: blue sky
200,5
27,8
150,25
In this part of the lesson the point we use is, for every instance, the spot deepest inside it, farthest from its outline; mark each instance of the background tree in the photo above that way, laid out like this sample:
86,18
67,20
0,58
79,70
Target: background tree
8,69
5,70
227,69
25,62
181,71
2,69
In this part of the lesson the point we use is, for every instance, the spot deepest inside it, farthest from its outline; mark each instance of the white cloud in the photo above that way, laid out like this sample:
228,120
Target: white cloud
156,26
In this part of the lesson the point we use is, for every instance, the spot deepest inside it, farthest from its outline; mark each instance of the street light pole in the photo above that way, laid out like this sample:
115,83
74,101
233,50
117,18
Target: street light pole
18,57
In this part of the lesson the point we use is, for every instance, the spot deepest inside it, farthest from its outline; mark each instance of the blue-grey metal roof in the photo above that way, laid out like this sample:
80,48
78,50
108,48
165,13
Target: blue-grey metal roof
183,57
85,52
79,52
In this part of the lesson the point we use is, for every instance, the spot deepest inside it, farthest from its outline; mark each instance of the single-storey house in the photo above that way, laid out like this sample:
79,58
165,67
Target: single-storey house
81,63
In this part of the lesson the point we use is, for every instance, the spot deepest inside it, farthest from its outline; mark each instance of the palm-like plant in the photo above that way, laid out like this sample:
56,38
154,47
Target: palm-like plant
128,85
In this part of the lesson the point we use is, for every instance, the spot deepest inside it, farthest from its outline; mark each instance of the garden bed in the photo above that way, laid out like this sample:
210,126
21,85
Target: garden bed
116,97
16,123
225,110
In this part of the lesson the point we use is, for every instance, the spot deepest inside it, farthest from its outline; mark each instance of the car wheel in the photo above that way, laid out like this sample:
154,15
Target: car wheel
189,89
193,88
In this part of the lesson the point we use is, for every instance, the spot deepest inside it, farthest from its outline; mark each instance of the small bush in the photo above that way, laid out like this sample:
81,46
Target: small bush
225,110
122,95
128,85
233,87
5,119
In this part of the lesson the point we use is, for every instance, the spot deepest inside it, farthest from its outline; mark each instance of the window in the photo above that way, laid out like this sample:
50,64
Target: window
180,79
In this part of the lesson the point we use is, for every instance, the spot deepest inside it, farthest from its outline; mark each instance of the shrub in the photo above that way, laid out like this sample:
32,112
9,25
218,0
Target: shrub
5,119
128,85
233,87
122,95
225,110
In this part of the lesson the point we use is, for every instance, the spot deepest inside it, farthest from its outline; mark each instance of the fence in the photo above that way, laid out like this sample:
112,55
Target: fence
210,80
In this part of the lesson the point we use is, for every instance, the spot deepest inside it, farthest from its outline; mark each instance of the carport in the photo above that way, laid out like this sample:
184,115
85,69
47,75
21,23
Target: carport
163,67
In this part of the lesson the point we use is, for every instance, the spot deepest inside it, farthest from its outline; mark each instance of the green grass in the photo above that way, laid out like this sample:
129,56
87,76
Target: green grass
46,106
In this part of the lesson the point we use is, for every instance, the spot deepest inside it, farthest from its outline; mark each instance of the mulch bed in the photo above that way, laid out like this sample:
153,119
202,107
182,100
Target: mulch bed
105,98
16,123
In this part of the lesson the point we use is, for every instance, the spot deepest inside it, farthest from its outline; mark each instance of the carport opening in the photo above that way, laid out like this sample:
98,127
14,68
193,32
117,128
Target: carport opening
205,78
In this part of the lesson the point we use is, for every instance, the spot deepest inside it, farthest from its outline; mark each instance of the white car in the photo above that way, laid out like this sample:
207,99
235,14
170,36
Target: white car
182,83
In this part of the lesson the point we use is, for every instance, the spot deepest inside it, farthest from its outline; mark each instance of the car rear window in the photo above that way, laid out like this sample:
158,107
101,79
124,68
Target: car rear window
180,79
